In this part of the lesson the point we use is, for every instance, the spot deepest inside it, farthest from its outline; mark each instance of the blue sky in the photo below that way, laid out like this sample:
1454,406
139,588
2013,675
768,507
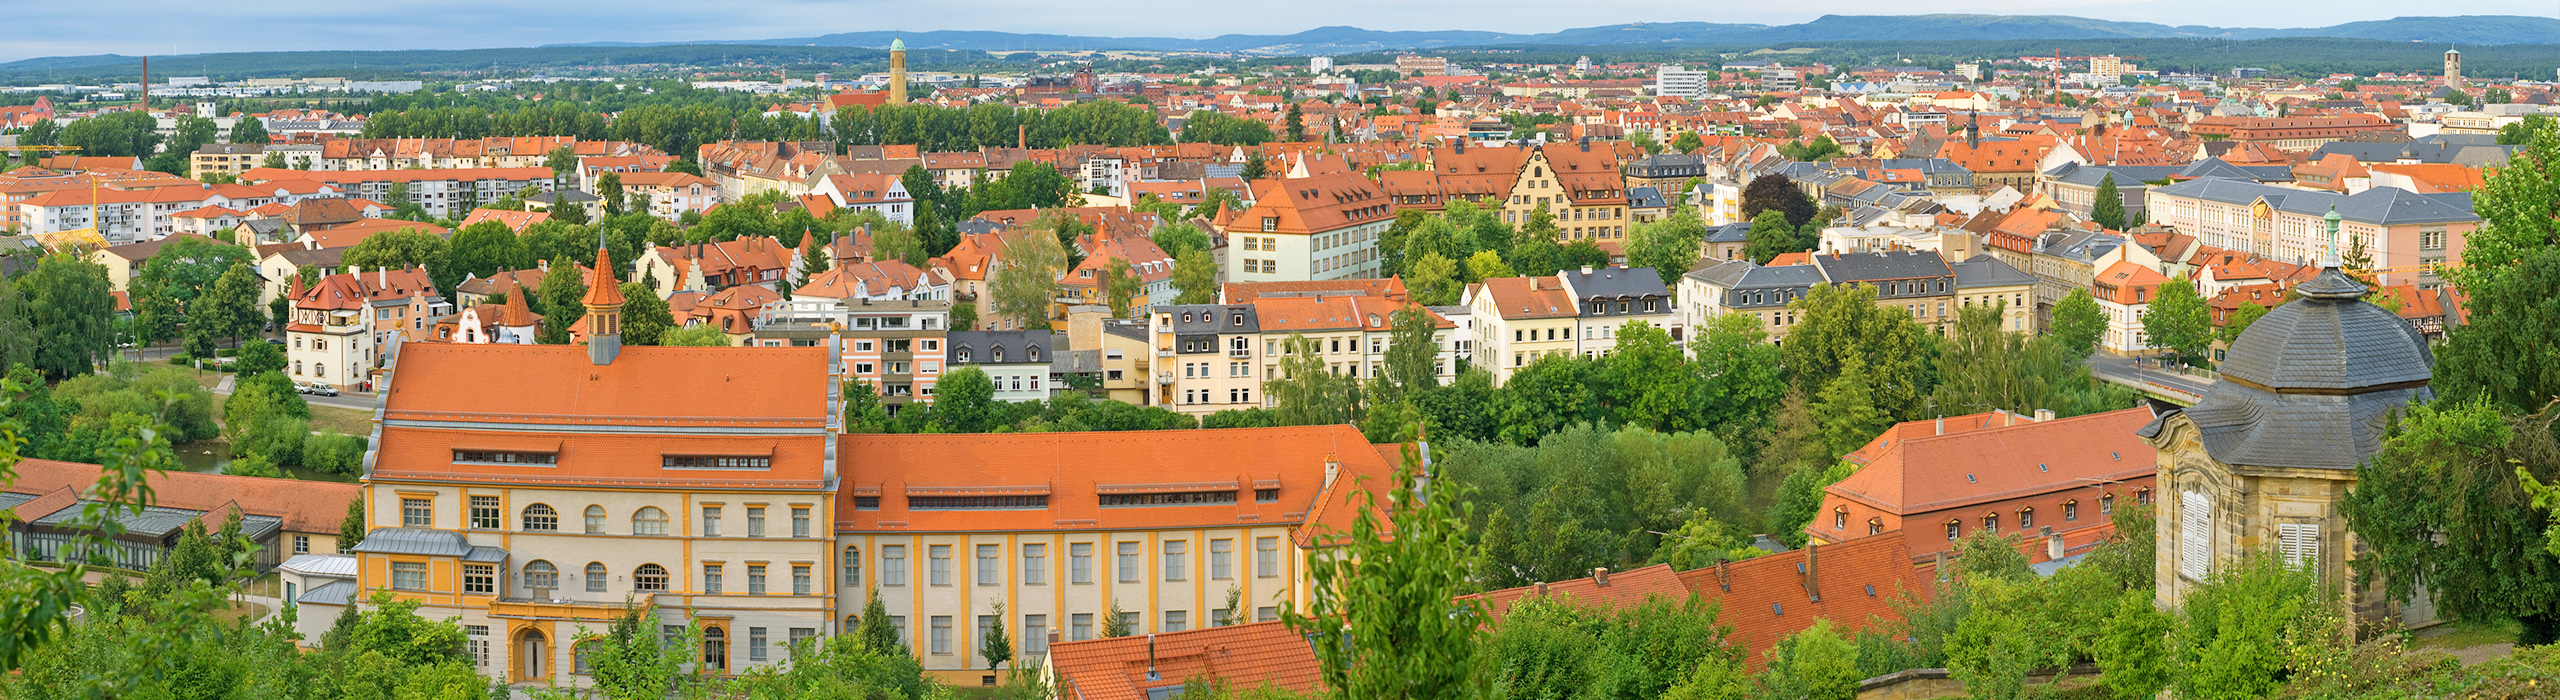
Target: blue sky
164,27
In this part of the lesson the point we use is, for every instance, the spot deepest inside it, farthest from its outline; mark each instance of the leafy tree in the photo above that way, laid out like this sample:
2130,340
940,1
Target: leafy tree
1821,148
964,314
1206,126
2519,207
351,529
1307,391
2440,506
1386,621
2502,354
875,629
1026,278
2132,653
1295,124
1815,664
2236,632
887,243
404,249
564,295
1702,542
1841,321
1770,237
1687,142
1669,245
1255,168
120,134
482,249
1413,353
1847,410
994,645
166,288
700,335
1195,277
1434,280
70,310
609,189
1485,265
2247,313
248,129
230,307
645,317
1779,193
2179,320
1120,286
964,402
2108,211
266,418
634,658
2077,323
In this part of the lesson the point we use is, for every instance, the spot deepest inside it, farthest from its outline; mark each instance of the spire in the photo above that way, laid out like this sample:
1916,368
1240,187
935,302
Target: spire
604,290
604,312
517,315
2329,257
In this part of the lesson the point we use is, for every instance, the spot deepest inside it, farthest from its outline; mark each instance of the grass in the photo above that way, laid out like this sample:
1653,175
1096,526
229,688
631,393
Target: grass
2464,634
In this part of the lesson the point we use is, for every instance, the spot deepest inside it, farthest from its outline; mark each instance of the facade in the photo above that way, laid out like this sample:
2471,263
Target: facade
670,195
1917,282
1520,319
1016,361
1226,352
2407,234
225,159
346,327
444,193
1985,281
1577,185
1216,347
1766,293
2124,291
897,346
2038,477
1609,298
1313,228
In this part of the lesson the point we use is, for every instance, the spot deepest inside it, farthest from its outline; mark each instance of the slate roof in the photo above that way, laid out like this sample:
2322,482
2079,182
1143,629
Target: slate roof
1729,233
1615,282
2473,150
1646,198
2313,383
1202,319
1987,271
2385,206
403,540
331,593
978,347
2126,175
1894,265
338,565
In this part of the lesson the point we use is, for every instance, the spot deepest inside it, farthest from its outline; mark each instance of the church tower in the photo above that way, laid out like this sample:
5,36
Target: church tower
2453,69
604,311
2259,467
898,71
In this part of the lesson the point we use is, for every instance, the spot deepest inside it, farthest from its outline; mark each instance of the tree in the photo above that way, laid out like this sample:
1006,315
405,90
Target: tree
168,286
645,317
230,308
609,189
1485,265
1847,410
1307,391
1025,284
351,528
1668,245
890,242
2108,211
1178,237
1295,124
1387,621
1770,237
1843,321
637,658
964,314
2179,320
1434,280
2236,631
2441,506
1255,168
482,249
564,302
1120,286
563,162
1815,664
1117,623
700,335
1687,142
121,134
1195,277
1778,192
404,249
964,401
248,129
1413,354
69,308
2519,205
2077,323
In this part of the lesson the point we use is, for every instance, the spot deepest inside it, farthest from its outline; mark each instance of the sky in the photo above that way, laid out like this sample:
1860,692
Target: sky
167,27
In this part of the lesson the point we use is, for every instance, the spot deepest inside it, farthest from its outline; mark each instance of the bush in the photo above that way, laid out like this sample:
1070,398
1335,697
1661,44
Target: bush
181,359
333,453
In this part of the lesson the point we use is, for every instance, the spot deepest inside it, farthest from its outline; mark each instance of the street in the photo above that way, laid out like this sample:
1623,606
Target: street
2123,370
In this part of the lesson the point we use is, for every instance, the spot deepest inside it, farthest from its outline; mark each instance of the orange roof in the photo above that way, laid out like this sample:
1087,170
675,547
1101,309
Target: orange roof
604,290
2432,178
1913,468
1243,292
1073,470
516,221
1530,297
1802,257
351,233
1246,656
1623,589
1321,313
2128,282
305,506
1767,598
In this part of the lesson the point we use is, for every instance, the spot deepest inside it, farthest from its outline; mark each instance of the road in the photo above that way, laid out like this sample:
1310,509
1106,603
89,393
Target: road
356,401
2122,370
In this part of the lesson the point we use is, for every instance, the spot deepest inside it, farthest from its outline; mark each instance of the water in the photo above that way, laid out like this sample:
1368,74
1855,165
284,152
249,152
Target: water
210,456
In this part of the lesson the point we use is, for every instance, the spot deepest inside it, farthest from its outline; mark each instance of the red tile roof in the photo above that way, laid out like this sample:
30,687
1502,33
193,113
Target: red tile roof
1767,598
1623,589
1912,468
305,506
1246,656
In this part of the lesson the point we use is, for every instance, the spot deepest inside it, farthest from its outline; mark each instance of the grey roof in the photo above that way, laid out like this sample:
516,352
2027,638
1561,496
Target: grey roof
1214,320
403,540
1927,166
156,521
1668,165
338,565
2473,150
2385,206
310,257
1735,232
1136,331
980,347
1076,362
1722,273
2313,383
2216,167
1646,198
1845,268
2081,245
11,500
1615,282
484,553
331,593
2126,175
1987,271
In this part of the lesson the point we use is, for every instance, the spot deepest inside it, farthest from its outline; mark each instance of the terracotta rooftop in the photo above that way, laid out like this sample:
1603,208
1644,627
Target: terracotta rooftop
305,506
1246,656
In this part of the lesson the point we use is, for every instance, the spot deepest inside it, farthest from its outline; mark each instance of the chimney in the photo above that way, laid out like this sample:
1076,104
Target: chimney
1600,576
1586,269
2052,545
1812,571
1332,468
1942,425
1542,589
1022,136
2044,414
1151,658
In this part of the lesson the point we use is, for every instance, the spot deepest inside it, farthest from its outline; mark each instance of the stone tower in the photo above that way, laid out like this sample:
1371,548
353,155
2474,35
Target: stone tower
2453,69
898,71
604,311
2259,466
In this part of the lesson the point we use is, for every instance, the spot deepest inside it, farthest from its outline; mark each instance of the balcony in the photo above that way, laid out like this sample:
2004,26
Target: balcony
1165,377
1240,352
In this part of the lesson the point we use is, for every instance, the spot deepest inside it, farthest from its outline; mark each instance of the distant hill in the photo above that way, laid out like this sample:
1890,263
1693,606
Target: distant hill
2469,29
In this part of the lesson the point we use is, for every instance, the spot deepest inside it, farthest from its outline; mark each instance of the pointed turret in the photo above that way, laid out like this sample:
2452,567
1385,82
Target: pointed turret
604,312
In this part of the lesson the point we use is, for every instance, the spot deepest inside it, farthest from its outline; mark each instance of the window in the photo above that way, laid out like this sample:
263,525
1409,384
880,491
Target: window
408,576
2107,505
711,521
417,512
1875,526
1840,518
649,521
1991,522
1267,613
938,565
893,565
541,519
1080,626
990,566
711,579
715,647
578,660
1177,560
866,503
2070,510
496,457
1035,634
1080,562
480,579
596,577
715,462
2195,534
755,579
1266,557
1178,498
977,502
541,574
649,577
478,645
1266,495
2299,544
302,544
1222,559
2026,518
852,566
799,579
800,521
941,634
1128,562
1129,620
755,521
1035,564
484,512
1177,620
1955,530
595,520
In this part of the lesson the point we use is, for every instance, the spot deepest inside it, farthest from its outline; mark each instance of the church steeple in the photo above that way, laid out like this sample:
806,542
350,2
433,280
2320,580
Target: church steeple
604,312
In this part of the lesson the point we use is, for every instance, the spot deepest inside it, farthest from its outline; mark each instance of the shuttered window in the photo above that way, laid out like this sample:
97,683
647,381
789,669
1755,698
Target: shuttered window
2299,544
2195,534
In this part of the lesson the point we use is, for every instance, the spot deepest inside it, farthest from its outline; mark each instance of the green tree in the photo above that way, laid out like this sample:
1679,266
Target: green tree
1434,281
2132,653
645,317
120,135
2077,323
1742,378
351,529
2237,630
1117,622
2247,313
609,189
876,629
1295,124
482,249
700,335
1120,286
1485,265
1413,353
1195,278
2179,320
564,294
994,645
69,308
1843,321
2108,211
1668,245
863,412
1176,238
230,307
1687,142
2503,355
636,658
964,314
248,129
1386,621
1815,664
1847,409
1769,237
2441,505
1307,391
404,249
167,287
1026,279
2519,206
964,402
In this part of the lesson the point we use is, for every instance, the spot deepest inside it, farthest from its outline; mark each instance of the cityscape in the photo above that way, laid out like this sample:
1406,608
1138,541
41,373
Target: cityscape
1840,352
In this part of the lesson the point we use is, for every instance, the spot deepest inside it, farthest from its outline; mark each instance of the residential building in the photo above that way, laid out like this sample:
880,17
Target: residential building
285,517
1578,186
346,327
1123,353
1608,298
1681,81
2407,235
2124,291
714,266
1917,282
1985,281
882,193
1521,319
1017,362
225,159
2054,482
1314,228
1766,293
1215,346
124,262
670,195
443,193
1249,655
897,345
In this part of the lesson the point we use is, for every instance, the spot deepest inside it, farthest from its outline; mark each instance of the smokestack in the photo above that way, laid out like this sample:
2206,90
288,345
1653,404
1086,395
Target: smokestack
2044,414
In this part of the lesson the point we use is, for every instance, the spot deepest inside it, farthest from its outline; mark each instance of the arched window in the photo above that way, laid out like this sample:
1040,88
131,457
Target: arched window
320,370
649,521
1875,526
1840,518
541,574
1991,522
595,520
1955,529
715,648
578,659
2026,518
649,577
596,577
541,518
852,566
2107,505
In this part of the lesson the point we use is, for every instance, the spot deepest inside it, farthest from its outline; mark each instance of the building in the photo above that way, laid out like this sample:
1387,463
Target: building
1227,352
1985,281
708,502
2036,477
897,346
2407,235
1609,298
2259,466
1666,172
1916,282
2290,133
2453,68
670,195
285,517
898,71
1578,186
1062,528
1145,667
1017,362
2124,291
1681,81
443,193
346,327
225,159
1766,293
1313,228
1521,319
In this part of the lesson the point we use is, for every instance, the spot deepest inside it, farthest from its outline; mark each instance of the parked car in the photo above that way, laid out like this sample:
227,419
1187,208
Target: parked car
318,389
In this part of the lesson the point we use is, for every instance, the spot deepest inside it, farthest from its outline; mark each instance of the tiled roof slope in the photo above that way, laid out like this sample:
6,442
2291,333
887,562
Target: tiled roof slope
1247,656
1766,598
1074,469
305,506
1991,456
558,384
1623,589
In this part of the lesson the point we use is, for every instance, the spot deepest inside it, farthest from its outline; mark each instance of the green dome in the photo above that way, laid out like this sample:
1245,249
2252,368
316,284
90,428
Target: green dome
897,44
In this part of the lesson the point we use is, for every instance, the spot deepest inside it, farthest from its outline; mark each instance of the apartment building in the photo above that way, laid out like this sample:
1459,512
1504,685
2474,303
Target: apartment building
2054,481
225,159
1578,185
1766,293
346,327
1917,282
1520,319
898,346
670,195
1207,357
2403,231
1312,228
1017,362
1226,352
1606,299
444,193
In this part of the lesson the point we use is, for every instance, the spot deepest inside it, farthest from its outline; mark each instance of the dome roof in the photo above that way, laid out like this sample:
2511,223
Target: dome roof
2314,383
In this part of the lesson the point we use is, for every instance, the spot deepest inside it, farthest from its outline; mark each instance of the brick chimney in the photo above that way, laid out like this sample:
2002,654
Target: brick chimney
1600,576
1812,571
